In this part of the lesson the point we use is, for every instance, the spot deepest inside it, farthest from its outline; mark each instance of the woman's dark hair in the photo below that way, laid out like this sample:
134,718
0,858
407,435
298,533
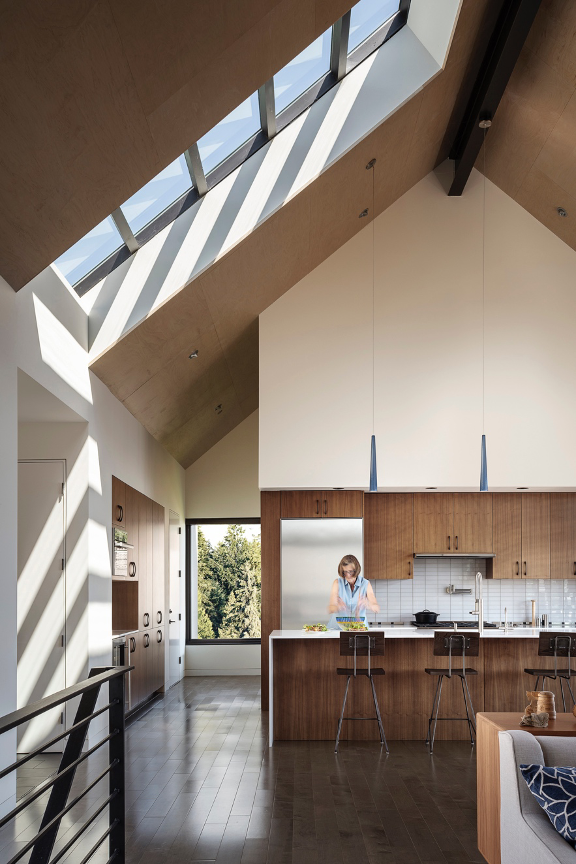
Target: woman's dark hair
349,559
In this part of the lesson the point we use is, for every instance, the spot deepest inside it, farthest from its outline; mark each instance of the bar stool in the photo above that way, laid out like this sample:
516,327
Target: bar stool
361,645
556,644
453,645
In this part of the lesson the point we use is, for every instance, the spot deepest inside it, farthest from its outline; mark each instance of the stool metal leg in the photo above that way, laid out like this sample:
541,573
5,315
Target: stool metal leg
471,705
441,680
467,714
570,689
433,709
342,714
378,717
537,682
562,692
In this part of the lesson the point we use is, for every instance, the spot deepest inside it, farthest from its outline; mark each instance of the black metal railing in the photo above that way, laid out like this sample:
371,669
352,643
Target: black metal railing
41,846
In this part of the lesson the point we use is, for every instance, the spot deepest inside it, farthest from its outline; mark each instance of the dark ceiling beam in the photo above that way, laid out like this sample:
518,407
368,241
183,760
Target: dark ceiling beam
512,28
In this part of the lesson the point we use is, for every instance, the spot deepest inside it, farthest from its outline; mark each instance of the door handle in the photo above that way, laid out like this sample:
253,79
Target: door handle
121,514
171,621
132,569
409,562
146,619
146,640
456,542
449,538
325,507
159,636
317,507
525,569
159,617
518,568
132,645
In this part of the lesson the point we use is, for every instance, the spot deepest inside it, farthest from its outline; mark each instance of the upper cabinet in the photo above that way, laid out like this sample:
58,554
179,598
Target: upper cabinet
344,504
472,521
562,535
507,533
536,535
433,522
118,503
388,536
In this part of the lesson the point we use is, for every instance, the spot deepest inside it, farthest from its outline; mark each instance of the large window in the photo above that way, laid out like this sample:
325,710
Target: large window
224,581
303,71
157,195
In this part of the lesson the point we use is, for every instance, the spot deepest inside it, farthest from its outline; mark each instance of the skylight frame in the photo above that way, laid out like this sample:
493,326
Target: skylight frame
341,63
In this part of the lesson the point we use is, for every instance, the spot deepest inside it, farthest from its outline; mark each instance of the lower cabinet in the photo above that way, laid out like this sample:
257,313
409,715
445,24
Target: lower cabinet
147,654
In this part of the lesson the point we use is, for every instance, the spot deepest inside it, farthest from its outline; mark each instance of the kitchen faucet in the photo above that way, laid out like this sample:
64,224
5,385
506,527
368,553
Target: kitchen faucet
479,603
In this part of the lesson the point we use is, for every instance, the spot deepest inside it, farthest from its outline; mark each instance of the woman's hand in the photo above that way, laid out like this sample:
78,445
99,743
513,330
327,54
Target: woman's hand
362,603
341,605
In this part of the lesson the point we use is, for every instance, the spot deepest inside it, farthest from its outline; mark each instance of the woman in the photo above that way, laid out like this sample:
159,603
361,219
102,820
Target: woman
351,594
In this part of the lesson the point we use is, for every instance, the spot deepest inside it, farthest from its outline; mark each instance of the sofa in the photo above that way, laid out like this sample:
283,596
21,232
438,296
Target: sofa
526,833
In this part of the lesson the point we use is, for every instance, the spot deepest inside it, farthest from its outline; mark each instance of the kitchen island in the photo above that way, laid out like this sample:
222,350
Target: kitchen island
306,694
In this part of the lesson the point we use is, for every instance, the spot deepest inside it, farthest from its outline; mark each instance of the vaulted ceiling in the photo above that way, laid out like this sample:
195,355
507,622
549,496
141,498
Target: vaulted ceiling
97,97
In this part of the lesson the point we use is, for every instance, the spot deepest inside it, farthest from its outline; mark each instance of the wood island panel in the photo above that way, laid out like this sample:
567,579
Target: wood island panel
270,503
308,693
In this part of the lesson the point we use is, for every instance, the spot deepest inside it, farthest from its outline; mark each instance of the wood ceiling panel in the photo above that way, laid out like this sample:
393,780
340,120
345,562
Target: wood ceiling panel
99,97
268,262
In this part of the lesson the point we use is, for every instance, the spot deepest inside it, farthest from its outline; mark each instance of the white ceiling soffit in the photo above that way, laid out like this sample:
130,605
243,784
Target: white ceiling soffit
38,405
364,99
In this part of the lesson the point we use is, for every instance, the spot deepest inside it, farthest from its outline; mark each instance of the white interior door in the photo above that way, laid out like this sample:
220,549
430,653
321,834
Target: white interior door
175,610
41,595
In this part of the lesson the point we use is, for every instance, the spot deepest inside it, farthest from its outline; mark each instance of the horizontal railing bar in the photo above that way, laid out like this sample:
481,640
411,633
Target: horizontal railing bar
46,784
97,844
52,741
16,718
59,816
84,827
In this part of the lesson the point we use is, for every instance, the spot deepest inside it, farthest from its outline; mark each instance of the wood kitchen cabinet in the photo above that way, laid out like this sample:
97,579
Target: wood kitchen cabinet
562,535
345,504
472,521
118,503
158,646
507,535
433,522
158,582
388,536
131,524
535,535
145,587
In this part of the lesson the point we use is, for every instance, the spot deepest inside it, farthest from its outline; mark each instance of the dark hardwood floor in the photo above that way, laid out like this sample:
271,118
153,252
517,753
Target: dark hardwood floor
203,786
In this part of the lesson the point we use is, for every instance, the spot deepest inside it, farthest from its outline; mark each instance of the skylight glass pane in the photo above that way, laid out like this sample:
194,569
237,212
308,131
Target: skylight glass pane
228,135
366,17
157,195
295,78
90,251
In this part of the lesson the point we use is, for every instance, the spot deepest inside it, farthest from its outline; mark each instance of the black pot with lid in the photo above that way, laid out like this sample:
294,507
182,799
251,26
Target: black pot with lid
426,617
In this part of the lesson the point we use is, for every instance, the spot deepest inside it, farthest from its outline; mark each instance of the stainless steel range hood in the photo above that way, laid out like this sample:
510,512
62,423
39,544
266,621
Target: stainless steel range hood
454,555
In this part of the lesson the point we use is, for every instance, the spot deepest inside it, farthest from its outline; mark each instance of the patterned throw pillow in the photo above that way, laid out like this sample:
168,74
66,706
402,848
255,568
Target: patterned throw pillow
555,791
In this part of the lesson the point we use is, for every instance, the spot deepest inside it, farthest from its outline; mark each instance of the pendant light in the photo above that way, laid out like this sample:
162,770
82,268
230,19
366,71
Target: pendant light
373,469
485,125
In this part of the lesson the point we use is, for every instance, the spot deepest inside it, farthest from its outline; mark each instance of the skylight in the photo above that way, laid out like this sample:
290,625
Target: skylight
157,195
303,71
366,17
228,135
90,251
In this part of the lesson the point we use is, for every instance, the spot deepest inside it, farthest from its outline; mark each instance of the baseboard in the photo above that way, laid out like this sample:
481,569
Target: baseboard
203,673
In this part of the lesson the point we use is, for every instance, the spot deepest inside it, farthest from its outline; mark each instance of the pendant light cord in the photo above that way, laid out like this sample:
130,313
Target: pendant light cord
483,278
373,308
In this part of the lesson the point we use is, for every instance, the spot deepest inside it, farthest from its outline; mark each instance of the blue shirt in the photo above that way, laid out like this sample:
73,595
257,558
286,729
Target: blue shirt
350,596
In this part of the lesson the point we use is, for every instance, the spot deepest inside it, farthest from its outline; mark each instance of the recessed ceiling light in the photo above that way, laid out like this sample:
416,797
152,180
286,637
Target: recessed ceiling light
193,355
561,211
431,487
363,213
522,487
338,488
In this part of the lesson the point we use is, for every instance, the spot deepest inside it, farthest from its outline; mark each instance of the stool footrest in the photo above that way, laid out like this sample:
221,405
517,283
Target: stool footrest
459,672
350,672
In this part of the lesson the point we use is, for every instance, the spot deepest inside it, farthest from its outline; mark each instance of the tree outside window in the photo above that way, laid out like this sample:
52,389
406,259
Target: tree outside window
228,581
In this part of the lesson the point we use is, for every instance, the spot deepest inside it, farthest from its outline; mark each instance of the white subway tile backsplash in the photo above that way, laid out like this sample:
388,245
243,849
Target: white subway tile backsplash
398,600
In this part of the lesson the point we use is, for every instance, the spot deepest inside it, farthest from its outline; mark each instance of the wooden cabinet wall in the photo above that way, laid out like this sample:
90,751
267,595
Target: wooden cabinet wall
143,607
507,535
453,522
536,535
388,536
345,504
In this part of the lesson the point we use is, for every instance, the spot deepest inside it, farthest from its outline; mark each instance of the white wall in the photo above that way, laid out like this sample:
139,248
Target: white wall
316,353
8,528
224,481
223,484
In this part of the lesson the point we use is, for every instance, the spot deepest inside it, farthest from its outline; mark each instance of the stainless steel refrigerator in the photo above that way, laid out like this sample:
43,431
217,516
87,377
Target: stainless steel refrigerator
311,552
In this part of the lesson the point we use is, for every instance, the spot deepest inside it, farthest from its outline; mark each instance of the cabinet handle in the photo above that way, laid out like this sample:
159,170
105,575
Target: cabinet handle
317,507
159,617
517,568
525,569
146,640
574,568
325,507
132,569
146,619
159,636
132,645
456,542
449,538
409,567
121,516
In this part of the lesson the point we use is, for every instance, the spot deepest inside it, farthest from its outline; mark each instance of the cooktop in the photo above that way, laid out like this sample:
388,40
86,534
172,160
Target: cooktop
445,625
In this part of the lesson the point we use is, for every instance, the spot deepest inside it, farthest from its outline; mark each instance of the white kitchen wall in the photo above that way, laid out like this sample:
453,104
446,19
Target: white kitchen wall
316,353
398,600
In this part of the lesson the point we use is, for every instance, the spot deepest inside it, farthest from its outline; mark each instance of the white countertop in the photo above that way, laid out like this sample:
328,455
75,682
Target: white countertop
409,632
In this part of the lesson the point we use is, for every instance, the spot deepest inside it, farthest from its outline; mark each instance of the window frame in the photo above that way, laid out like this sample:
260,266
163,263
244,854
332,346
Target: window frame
189,523
373,42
